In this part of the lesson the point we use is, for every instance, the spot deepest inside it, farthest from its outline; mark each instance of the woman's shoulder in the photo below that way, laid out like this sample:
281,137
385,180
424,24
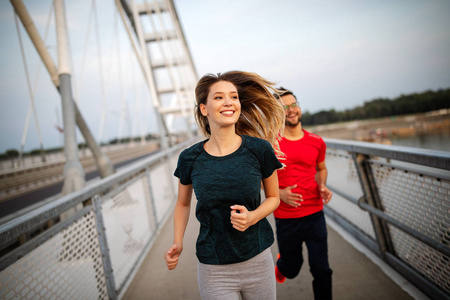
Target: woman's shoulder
255,142
193,151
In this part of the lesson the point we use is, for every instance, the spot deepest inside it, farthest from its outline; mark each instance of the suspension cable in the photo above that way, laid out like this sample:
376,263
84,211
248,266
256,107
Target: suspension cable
119,66
30,90
83,60
27,121
109,65
100,65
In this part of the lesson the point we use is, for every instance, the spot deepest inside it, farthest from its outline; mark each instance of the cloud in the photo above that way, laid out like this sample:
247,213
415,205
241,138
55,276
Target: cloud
335,54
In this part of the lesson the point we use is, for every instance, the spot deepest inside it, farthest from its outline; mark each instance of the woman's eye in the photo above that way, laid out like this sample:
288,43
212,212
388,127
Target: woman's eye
217,98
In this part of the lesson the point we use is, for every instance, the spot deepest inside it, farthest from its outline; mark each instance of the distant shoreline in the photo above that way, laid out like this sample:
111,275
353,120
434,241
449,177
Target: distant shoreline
384,129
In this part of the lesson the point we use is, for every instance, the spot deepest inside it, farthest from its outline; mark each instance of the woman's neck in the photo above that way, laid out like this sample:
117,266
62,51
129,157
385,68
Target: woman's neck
223,142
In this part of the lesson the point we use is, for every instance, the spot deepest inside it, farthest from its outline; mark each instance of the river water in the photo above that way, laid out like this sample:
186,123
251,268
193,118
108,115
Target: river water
437,141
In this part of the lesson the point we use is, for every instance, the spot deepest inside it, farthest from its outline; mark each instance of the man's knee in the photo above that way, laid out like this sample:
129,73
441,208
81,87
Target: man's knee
289,271
321,272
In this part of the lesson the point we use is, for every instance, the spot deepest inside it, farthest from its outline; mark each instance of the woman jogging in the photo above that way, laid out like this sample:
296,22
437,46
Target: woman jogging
242,120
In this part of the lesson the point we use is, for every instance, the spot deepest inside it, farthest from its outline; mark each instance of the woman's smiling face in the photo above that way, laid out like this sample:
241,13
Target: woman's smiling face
222,107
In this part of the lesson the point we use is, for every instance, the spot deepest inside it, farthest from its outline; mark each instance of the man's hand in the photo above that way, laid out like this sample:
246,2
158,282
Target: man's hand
290,198
241,218
325,193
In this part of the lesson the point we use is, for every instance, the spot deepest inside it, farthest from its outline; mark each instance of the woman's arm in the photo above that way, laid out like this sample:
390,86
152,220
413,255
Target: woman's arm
244,219
181,218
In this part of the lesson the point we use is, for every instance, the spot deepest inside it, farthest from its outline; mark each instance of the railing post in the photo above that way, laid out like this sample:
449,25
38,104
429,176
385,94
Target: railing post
151,201
170,176
73,171
104,249
372,198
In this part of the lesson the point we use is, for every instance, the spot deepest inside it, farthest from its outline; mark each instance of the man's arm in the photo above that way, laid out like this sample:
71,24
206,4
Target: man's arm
288,197
321,179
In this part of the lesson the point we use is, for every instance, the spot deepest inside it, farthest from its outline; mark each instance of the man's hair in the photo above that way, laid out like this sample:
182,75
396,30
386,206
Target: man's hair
283,92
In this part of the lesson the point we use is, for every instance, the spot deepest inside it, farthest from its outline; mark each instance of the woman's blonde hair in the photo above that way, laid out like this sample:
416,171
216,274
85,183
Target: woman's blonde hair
262,115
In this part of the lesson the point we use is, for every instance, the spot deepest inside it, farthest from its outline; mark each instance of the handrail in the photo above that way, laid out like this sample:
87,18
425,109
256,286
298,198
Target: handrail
105,228
421,237
12,229
397,205
393,199
426,157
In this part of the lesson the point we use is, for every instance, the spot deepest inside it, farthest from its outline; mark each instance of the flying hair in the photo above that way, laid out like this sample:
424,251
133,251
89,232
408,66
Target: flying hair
262,114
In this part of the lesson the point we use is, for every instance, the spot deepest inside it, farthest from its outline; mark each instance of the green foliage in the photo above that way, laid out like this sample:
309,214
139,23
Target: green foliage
35,152
53,150
11,153
377,108
380,108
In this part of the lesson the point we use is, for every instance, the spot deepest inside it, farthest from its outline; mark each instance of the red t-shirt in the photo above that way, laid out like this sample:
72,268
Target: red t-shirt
302,157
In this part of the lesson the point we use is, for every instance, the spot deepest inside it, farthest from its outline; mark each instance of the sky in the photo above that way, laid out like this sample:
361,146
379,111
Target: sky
334,54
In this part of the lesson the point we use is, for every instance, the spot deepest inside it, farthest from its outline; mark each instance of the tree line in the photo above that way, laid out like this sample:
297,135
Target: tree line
13,153
377,108
383,107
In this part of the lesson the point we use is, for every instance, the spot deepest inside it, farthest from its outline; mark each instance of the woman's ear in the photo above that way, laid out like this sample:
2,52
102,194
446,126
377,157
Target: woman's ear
203,110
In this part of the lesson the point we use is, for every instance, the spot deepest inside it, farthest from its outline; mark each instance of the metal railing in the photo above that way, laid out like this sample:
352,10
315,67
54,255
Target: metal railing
9,165
88,245
396,201
16,182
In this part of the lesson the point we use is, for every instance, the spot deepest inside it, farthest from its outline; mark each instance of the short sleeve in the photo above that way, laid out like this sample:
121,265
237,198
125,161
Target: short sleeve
183,170
322,151
270,162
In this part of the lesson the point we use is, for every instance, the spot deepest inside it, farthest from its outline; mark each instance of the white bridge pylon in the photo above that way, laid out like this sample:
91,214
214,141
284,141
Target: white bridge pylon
154,37
166,66
160,46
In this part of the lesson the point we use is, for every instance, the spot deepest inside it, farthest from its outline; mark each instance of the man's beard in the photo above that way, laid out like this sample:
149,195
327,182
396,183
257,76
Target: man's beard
288,123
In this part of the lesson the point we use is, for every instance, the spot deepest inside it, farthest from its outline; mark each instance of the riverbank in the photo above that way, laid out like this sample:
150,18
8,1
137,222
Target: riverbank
383,130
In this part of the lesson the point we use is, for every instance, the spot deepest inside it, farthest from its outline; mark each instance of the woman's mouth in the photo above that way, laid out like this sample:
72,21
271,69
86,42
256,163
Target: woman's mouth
227,113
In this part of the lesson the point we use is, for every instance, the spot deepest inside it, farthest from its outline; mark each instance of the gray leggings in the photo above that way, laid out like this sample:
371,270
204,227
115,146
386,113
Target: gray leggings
251,279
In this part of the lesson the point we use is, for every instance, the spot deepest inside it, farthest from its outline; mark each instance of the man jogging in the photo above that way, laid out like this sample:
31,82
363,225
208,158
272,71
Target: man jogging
299,217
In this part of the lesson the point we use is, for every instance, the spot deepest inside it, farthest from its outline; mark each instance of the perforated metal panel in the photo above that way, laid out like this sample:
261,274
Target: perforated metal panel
119,217
67,266
68,263
421,202
162,182
342,175
129,225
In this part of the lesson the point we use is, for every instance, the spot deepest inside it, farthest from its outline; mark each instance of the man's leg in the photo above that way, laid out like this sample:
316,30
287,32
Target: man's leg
318,257
289,241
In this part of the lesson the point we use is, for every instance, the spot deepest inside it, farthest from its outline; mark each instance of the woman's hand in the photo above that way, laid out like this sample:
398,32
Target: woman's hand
241,218
172,255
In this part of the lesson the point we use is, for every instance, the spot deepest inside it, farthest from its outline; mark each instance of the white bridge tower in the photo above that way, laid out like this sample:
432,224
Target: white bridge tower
159,43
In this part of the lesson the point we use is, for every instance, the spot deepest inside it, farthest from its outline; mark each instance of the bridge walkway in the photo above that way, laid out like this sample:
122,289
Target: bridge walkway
355,276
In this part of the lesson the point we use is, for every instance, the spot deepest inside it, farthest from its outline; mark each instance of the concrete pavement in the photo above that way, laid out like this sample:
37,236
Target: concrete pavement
355,276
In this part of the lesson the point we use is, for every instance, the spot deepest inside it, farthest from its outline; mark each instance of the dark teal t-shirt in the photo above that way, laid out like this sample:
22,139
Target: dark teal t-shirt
220,182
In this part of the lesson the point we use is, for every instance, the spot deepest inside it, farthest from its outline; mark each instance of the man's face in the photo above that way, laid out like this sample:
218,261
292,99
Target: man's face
293,112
